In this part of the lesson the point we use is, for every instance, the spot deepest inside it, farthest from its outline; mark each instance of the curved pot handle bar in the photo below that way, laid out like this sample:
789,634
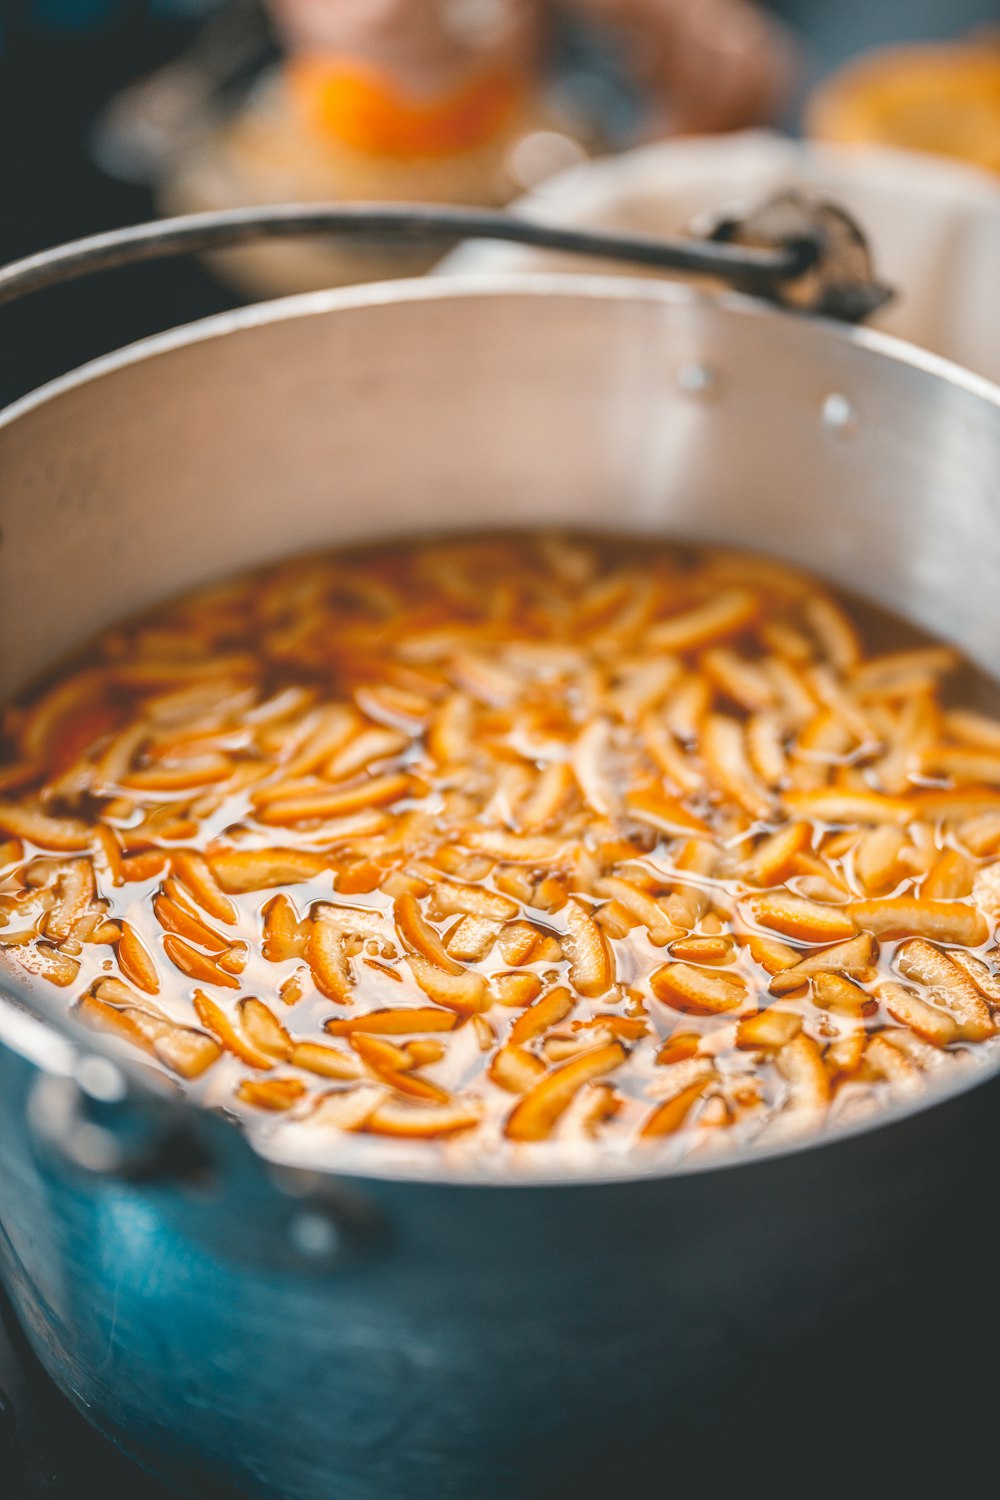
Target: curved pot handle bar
790,251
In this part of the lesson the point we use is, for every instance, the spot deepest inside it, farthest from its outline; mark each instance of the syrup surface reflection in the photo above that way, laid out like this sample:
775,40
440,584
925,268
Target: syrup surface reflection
532,846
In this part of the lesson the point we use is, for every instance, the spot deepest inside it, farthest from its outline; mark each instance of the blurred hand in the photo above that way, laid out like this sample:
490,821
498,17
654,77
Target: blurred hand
709,65
433,44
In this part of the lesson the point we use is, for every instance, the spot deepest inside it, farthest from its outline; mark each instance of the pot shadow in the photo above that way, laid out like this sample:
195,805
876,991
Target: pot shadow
898,1394
899,1397
48,1451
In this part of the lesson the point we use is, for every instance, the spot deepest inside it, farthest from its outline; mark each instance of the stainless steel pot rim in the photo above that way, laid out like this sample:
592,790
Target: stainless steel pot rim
59,1045
472,285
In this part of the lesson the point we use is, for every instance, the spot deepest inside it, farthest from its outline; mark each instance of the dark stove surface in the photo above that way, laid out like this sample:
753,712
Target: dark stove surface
47,1449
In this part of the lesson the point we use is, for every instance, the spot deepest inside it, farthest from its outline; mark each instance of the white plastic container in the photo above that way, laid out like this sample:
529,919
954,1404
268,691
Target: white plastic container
934,225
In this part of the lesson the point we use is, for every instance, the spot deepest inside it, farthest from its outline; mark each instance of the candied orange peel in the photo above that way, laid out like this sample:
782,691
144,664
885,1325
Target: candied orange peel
493,841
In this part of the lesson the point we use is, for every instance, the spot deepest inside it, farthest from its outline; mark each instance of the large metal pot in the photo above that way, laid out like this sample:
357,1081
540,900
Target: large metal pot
333,1337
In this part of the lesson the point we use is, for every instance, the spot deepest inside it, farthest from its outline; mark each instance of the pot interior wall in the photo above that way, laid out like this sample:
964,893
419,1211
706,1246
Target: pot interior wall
347,416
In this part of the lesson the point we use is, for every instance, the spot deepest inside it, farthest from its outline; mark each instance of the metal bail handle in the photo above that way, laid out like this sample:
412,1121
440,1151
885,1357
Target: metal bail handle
98,1120
791,251
200,1172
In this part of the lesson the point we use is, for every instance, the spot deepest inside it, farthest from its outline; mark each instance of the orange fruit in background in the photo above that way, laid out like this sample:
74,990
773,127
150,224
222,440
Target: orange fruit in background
942,99
367,109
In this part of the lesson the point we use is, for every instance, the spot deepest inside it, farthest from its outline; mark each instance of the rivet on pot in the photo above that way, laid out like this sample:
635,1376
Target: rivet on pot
839,416
100,1079
696,379
313,1236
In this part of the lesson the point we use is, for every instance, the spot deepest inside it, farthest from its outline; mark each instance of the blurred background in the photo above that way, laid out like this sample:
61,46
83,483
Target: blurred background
113,111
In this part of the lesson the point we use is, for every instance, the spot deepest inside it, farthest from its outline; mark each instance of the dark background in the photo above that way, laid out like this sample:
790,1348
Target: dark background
59,63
